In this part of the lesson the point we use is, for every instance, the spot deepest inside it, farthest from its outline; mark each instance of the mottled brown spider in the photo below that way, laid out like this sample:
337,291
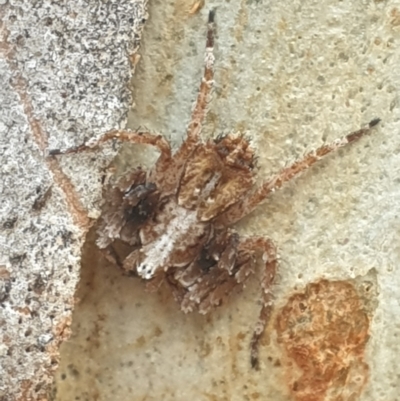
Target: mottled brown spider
177,218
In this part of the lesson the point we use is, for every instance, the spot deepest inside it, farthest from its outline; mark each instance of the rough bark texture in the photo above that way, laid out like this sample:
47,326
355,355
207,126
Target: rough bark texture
64,72
290,75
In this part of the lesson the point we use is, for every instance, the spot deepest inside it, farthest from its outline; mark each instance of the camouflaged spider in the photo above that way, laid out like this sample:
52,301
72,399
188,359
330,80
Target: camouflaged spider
177,217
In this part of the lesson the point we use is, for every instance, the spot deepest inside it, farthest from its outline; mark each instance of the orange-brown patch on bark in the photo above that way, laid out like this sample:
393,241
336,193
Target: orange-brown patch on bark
324,331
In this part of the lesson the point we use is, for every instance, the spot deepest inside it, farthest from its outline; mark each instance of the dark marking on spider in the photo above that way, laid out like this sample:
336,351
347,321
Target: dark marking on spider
177,218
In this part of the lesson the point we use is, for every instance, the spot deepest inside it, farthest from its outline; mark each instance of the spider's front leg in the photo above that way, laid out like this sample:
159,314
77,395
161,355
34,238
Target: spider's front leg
248,204
255,245
200,108
138,137
143,137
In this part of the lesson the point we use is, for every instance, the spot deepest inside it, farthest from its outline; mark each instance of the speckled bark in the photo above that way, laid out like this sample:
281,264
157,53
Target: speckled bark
64,75
290,75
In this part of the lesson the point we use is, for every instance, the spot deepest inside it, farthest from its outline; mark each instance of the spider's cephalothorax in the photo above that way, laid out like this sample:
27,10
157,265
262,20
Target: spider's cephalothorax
177,217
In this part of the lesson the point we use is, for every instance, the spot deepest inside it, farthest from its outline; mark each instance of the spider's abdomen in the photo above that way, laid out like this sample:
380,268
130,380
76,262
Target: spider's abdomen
172,240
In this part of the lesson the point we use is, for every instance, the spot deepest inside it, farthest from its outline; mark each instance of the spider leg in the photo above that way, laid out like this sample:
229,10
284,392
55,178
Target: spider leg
208,280
200,108
202,288
111,256
122,135
252,245
243,208
156,174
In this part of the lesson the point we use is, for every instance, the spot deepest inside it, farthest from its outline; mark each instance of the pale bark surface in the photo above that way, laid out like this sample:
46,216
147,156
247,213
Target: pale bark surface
290,75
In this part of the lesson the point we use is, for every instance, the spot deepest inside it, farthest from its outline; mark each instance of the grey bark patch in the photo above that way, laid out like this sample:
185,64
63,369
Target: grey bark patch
64,74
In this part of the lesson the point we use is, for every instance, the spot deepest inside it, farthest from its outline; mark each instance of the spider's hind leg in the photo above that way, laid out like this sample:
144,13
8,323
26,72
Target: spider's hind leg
112,256
270,259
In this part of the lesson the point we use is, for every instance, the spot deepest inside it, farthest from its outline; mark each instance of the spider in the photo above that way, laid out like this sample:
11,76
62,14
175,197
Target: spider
177,217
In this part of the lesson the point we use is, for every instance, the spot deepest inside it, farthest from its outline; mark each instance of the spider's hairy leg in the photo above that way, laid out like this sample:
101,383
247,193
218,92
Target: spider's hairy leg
200,108
112,256
246,206
270,259
125,136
